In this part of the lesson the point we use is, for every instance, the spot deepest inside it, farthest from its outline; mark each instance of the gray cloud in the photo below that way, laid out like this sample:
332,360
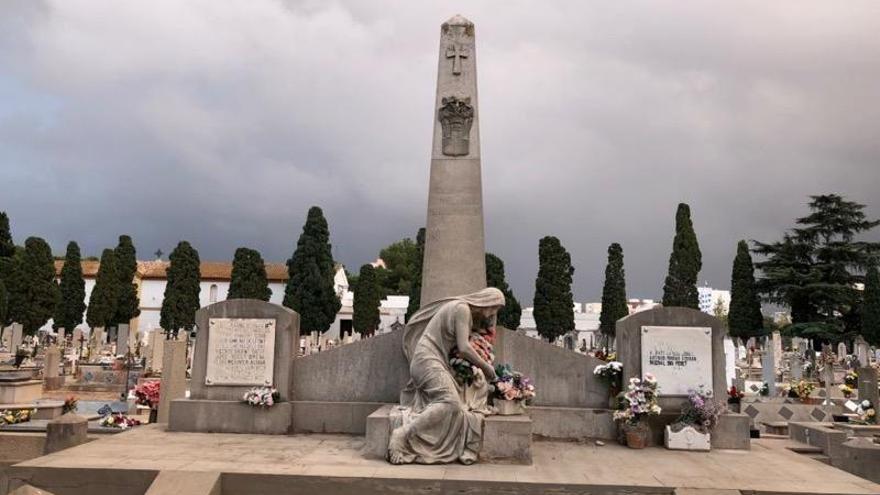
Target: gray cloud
222,122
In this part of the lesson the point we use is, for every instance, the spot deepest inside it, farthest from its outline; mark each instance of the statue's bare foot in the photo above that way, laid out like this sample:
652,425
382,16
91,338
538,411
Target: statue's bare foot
396,446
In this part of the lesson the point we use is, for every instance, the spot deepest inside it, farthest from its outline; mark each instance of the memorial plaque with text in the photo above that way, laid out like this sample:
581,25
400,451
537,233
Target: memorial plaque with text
241,351
680,358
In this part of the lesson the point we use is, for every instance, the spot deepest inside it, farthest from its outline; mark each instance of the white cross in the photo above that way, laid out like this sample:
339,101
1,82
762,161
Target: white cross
457,52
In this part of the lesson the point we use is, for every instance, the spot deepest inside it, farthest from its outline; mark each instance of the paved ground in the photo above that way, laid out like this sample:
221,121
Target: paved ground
768,467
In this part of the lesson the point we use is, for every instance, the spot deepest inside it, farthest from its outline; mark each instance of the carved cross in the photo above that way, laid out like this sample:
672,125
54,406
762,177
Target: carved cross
457,52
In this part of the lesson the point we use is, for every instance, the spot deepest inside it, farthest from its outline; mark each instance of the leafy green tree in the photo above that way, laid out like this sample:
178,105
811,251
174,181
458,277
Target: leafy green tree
310,290
128,305
71,303
871,307
105,294
181,299
415,293
814,269
744,320
614,305
509,315
35,293
249,279
367,298
401,262
7,247
554,303
685,263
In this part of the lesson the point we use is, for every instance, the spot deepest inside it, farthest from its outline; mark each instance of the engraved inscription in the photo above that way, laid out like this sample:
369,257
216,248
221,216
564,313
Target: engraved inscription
679,357
456,117
241,351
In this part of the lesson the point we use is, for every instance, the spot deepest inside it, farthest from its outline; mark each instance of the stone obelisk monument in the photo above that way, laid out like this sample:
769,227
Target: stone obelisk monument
455,259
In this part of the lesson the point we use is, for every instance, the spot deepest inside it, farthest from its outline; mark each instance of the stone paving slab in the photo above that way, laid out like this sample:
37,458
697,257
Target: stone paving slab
768,467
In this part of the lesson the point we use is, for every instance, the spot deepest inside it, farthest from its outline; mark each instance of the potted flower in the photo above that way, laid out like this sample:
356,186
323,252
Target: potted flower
69,404
765,390
147,394
612,374
511,391
800,390
846,390
851,378
261,397
734,398
691,431
634,406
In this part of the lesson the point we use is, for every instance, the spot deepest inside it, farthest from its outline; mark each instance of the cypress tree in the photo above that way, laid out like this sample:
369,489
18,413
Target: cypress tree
7,247
310,290
181,299
128,305
415,293
509,315
871,307
367,298
249,280
4,305
613,293
554,303
35,287
685,263
105,294
744,320
71,303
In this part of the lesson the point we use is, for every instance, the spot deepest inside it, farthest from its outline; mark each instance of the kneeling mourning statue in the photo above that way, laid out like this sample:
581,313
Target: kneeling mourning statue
440,420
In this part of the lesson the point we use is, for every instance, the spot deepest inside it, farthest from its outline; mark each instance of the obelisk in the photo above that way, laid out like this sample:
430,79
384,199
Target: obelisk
455,259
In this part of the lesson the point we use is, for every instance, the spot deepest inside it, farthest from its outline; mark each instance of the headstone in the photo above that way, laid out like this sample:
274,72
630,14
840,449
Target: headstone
60,337
868,386
454,261
156,344
122,336
51,376
173,377
768,371
776,339
6,339
64,432
16,337
841,351
77,336
729,360
861,351
796,366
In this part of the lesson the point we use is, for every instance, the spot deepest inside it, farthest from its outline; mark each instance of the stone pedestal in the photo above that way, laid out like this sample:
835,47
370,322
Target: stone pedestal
23,392
173,377
16,337
51,369
67,431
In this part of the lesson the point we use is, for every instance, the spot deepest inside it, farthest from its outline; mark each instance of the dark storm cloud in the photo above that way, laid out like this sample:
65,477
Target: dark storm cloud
222,122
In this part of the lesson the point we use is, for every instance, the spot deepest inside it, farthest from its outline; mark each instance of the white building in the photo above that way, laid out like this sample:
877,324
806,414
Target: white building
710,299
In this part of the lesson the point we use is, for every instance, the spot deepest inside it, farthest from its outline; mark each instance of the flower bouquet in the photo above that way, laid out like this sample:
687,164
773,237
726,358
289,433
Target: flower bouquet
612,374
634,406
118,420
867,412
462,369
8,417
69,405
691,431
846,390
261,397
147,394
800,390
851,378
511,391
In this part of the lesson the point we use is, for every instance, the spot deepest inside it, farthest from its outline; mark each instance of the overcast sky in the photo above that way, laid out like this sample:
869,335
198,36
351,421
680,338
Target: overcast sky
222,122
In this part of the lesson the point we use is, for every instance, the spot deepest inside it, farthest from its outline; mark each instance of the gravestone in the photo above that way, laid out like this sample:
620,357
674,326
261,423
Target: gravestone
156,346
776,339
60,337
841,351
122,336
796,366
77,337
240,344
6,339
173,378
861,351
868,386
730,361
768,371
16,337
51,376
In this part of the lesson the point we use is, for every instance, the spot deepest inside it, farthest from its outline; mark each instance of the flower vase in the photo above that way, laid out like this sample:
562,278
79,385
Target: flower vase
509,407
637,436
733,405
687,438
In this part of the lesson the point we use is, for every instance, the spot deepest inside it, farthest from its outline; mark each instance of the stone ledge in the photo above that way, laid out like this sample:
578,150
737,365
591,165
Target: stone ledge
20,392
572,423
332,417
218,416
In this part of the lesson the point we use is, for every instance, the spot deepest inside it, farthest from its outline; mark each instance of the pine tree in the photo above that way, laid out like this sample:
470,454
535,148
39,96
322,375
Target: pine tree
871,307
7,247
816,266
415,293
685,263
367,298
128,305
249,280
35,292
105,294
744,320
614,305
554,303
509,315
71,303
310,290
181,299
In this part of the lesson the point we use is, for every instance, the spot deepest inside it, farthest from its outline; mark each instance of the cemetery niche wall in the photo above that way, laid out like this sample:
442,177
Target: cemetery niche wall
240,344
684,349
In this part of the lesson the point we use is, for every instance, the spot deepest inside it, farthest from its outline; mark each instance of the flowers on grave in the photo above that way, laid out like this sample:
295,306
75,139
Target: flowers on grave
512,385
462,369
800,390
609,356
11,417
69,404
867,412
808,368
851,378
611,373
119,420
639,401
765,390
147,393
846,390
701,411
734,395
261,397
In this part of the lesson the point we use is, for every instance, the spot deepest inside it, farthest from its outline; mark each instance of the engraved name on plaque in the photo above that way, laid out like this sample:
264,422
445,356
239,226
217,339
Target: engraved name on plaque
679,357
241,351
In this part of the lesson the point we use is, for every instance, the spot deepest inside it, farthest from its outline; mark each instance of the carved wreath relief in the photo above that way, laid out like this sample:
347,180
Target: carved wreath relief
456,117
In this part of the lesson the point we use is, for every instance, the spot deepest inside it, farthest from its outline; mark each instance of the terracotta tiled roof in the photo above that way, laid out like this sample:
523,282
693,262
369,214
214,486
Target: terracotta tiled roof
210,270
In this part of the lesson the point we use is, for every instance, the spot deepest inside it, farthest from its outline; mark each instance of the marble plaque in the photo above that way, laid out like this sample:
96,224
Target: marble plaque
241,351
680,358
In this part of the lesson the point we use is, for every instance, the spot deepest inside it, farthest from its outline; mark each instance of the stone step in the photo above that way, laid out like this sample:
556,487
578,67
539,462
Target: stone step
804,449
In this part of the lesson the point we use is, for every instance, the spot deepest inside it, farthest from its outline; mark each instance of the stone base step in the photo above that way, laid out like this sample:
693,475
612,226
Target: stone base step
805,449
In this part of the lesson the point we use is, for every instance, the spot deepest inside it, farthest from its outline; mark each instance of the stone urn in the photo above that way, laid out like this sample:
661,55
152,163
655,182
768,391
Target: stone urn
637,435
687,438
509,407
